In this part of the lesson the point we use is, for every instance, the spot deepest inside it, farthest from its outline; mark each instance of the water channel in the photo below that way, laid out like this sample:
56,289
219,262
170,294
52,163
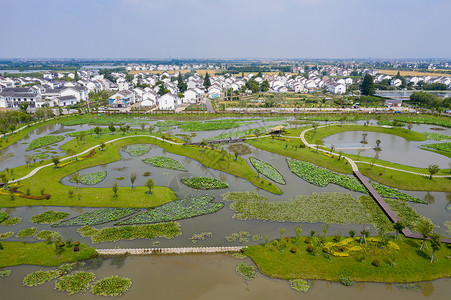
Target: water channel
196,276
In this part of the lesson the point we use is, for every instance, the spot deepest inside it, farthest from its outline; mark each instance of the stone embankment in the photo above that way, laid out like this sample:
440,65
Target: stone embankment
187,250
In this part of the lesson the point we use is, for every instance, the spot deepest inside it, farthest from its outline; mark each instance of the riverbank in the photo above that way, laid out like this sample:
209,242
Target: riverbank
410,263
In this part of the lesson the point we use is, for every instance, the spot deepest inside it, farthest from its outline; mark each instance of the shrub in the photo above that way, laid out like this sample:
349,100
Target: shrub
308,240
293,249
376,263
337,238
346,281
310,249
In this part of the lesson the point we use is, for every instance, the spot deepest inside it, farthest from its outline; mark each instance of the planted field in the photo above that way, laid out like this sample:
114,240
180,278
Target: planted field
49,217
204,183
114,234
111,286
267,170
322,177
44,141
440,146
339,208
98,216
437,136
164,162
91,178
137,150
176,210
76,283
243,196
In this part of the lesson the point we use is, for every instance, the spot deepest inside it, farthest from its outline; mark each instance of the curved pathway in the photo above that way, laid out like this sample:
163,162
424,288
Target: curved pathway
34,171
380,201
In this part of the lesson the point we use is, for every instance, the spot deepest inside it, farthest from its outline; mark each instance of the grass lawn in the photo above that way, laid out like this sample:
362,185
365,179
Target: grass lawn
411,264
211,158
323,132
392,178
41,253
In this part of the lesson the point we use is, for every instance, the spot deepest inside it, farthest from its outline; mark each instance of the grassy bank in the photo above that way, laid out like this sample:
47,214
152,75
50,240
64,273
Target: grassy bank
411,264
392,178
323,132
41,254
211,158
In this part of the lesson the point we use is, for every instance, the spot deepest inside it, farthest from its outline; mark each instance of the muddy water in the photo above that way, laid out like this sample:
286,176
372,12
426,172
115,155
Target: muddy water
208,277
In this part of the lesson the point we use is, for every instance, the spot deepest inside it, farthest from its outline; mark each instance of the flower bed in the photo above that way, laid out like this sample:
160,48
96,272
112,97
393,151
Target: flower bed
437,136
111,286
137,150
440,146
322,177
44,141
11,221
339,208
26,232
176,210
40,277
45,234
6,235
164,162
267,170
92,178
204,183
201,237
300,285
245,270
98,216
49,217
76,283
113,234
239,196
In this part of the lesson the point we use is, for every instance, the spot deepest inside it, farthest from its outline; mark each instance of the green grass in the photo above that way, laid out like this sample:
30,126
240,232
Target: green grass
411,264
211,158
391,178
42,254
323,132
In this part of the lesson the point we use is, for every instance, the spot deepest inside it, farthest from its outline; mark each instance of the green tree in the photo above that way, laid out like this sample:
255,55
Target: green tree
56,161
409,126
433,169
102,146
424,227
112,128
23,106
367,86
132,178
76,179
149,184
207,81
98,131
435,244
76,77
28,159
298,232
399,227
115,189
181,83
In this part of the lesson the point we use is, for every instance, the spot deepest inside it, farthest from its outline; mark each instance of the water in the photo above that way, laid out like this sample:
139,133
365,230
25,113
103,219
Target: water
394,148
196,277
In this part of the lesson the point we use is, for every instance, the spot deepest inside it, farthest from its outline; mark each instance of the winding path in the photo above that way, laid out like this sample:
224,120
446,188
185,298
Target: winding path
34,171
379,200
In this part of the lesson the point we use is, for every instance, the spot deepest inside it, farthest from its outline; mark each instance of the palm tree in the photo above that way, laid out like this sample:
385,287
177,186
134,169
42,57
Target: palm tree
149,184
399,227
132,178
435,244
433,169
424,227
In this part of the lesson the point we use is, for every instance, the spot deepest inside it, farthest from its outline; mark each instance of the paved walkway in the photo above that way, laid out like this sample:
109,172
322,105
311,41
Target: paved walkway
186,250
379,200
209,106
34,171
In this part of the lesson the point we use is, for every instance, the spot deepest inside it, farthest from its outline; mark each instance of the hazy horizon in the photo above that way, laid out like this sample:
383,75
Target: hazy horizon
226,29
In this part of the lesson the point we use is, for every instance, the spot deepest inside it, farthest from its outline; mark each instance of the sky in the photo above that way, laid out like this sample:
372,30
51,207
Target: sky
177,29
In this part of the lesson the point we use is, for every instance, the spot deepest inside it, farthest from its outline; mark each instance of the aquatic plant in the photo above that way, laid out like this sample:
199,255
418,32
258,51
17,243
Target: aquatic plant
164,162
242,196
204,183
44,141
267,170
40,277
245,270
76,283
98,216
137,150
300,285
111,286
49,217
91,178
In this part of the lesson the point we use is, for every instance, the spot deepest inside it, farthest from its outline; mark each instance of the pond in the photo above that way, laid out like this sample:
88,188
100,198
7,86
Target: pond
197,277
394,148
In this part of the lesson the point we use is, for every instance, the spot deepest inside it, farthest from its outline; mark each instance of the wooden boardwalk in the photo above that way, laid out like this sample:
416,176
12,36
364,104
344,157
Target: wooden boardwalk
186,250
387,209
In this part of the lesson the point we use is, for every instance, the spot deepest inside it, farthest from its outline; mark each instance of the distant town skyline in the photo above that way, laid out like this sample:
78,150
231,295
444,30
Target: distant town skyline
226,29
